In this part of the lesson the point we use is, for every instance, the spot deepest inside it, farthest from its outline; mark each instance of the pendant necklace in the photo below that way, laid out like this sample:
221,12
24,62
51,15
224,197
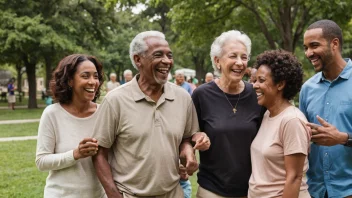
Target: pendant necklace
234,109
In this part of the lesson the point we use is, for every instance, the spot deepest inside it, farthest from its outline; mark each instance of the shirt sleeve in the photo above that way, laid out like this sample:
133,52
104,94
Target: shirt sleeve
46,158
105,127
302,105
295,137
192,121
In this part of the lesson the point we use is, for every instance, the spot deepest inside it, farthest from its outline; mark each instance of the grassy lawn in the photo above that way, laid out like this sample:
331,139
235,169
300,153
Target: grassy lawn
19,114
16,130
18,173
18,103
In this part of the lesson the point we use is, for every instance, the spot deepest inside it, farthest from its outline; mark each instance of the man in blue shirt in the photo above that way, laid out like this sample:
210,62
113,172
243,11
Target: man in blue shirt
180,81
326,100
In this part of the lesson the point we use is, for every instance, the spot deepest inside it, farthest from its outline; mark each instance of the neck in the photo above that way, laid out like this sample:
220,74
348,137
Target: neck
79,108
278,106
333,70
154,91
230,87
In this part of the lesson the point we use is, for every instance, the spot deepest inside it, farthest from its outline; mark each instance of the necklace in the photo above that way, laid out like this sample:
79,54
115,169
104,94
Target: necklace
234,109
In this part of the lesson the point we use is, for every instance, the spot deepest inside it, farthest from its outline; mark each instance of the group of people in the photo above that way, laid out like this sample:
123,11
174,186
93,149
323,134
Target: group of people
141,140
113,83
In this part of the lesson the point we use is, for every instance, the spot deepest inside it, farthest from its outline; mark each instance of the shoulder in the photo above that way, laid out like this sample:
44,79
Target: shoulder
293,114
205,87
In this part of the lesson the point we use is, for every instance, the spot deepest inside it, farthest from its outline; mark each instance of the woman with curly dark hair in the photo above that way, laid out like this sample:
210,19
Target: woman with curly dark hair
65,146
279,151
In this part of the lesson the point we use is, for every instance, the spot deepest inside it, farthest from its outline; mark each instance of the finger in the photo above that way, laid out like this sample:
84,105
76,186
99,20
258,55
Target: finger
312,125
322,121
314,132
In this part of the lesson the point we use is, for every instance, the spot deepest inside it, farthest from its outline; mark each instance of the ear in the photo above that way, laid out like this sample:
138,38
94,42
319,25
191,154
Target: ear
217,62
137,60
335,44
281,85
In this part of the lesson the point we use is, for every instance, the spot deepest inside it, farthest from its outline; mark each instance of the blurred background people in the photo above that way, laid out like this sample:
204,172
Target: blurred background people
228,112
253,75
112,84
11,97
181,81
128,75
209,77
282,143
65,146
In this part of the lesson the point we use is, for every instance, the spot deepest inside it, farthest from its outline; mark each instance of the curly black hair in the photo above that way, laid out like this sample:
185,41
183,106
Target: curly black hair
65,71
284,66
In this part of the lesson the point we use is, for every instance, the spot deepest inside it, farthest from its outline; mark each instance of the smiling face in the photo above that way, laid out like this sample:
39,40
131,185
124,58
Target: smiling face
156,63
233,61
85,82
267,91
317,49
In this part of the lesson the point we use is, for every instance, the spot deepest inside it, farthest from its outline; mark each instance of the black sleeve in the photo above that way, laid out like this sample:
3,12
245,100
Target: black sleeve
196,101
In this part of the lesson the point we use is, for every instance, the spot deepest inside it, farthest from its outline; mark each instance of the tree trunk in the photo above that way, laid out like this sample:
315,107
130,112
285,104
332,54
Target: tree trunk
48,71
19,80
32,86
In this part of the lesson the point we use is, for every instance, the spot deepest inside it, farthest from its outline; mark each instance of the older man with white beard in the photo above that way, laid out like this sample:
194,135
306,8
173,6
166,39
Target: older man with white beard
148,125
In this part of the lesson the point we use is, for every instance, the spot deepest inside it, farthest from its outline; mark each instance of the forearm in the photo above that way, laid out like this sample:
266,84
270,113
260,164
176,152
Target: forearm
292,186
47,162
186,150
103,171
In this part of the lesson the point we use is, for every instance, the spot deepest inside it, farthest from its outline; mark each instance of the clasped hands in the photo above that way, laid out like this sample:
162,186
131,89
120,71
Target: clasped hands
87,147
189,162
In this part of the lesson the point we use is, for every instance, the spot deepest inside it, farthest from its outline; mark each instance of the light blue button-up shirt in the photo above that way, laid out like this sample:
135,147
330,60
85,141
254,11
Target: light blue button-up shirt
330,167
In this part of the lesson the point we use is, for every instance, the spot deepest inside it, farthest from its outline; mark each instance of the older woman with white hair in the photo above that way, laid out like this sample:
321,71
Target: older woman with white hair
229,114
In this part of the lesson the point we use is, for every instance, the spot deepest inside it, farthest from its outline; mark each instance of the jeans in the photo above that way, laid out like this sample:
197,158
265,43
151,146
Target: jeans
187,188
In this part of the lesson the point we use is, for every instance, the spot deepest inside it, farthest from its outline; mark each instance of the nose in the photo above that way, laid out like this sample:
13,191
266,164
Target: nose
309,53
166,60
239,61
255,85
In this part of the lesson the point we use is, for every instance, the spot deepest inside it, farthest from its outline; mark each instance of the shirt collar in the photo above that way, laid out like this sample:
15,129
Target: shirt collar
137,93
345,74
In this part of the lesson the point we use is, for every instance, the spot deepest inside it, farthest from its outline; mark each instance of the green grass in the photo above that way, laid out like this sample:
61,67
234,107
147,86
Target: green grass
19,114
16,130
24,102
18,173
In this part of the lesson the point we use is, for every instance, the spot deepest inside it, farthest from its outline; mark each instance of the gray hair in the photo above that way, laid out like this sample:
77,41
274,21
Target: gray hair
138,45
112,74
127,71
179,72
216,47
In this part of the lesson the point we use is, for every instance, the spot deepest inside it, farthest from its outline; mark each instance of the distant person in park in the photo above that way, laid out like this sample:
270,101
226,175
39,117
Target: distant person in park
181,81
146,126
112,84
280,149
228,112
326,101
65,146
253,75
209,77
128,75
11,98
193,82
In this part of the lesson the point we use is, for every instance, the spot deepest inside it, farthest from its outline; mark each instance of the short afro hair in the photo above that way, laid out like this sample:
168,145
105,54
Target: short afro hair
284,66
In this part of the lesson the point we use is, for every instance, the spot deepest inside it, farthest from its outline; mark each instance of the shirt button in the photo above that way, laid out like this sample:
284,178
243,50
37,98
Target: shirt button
327,103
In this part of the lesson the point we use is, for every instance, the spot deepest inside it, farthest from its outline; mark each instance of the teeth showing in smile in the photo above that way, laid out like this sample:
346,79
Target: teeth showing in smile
237,70
259,94
163,70
89,90
314,60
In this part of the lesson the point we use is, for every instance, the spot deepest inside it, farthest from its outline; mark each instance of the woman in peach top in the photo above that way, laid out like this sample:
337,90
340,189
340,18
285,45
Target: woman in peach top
279,151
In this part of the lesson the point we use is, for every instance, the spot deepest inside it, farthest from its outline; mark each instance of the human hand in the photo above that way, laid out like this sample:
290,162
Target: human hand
190,162
87,147
182,171
202,141
326,134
